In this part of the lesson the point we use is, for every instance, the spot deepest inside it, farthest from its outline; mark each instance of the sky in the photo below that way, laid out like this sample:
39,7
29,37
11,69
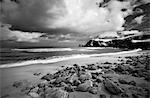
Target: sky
61,22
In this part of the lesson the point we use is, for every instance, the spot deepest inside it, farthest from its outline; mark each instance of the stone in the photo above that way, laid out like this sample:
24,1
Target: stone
76,82
124,95
63,84
72,78
92,90
37,74
59,80
147,78
56,93
99,79
48,77
33,94
132,83
17,84
112,87
135,96
122,81
107,63
84,86
85,76
34,89
92,67
102,96
69,88
94,76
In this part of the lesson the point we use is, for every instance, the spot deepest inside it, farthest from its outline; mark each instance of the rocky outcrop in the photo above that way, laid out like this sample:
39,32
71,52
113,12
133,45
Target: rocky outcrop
139,20
94,79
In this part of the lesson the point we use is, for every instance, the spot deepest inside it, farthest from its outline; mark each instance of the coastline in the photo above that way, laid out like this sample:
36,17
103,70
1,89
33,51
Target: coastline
10,75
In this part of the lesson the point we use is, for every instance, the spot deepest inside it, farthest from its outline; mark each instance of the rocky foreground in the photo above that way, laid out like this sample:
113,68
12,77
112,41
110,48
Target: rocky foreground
128,79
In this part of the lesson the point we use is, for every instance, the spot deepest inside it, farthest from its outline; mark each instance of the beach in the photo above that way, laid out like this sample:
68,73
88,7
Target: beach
32,74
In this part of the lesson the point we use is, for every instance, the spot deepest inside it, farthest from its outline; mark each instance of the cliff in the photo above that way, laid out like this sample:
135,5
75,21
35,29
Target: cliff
138,21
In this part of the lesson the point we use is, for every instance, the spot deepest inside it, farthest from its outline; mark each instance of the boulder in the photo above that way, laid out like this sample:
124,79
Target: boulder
47,77
72,78
85,76
69,88
92,67
59,80
132,83
102,96
84,86
122,81
56,93
99,79
76,82
33,94
112,87
92,90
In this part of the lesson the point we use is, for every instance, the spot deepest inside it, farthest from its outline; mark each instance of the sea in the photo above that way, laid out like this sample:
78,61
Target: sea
26,56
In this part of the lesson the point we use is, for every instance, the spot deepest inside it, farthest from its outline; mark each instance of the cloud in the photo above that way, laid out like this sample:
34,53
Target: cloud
19,36
77,15
139,19
82,16
86,17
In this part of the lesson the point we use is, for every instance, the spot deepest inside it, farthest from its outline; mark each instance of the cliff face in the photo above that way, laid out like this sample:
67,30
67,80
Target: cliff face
139,20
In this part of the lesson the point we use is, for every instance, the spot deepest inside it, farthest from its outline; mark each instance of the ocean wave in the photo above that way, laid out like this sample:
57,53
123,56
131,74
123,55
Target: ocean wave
44,49
63,58
59,49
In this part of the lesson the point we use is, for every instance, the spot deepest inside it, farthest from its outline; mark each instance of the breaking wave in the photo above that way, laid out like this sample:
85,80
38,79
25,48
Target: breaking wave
55,59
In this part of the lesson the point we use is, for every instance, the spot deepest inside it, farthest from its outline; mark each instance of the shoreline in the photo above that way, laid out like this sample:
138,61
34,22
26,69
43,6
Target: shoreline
10,75
64,58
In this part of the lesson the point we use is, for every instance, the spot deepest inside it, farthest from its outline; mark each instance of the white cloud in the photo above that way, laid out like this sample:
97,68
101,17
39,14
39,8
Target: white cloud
86,17
139,19
83,16
19,36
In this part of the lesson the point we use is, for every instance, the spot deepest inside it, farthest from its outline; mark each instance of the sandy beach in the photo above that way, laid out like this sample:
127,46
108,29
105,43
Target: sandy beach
32,74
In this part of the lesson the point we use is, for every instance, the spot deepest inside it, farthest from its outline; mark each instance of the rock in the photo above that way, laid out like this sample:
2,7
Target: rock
37,74
112,87
56,93
147,78
17,84
94,76
48,77
72,78
92,67
84,86
76,82
59,80
21,83
77,67
109,71
95,84
107,63
135,96
122,81
33,94
92,90
124,95
99,79
102,96
41,85
34,89
132,83
85,76
63,84
69,88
